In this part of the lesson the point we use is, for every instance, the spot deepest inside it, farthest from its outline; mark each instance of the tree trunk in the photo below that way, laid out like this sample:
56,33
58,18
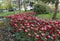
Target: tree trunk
25,5
56,9
19,5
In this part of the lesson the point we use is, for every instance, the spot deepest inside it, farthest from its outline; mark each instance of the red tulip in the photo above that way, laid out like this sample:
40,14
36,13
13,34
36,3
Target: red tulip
37,36
51,32
25,30
42,34
39,40
15,25
54,37
58,32
32,28
48,36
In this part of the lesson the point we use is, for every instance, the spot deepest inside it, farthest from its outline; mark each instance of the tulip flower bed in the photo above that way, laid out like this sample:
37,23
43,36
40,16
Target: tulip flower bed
30,28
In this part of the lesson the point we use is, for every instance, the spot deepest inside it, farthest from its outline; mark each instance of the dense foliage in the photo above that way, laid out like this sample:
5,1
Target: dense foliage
48,1
41,9
29,28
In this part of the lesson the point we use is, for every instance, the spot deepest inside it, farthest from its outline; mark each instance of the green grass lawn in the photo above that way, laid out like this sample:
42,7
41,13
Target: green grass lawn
9,13
2,14
47,16
43,16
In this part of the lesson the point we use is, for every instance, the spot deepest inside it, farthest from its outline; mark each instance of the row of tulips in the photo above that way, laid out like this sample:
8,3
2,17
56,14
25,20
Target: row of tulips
32,27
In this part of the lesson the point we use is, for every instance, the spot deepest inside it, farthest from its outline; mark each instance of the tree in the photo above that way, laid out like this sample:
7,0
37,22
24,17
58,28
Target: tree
56,9
56,6
19,5
0,5
24,3
6,4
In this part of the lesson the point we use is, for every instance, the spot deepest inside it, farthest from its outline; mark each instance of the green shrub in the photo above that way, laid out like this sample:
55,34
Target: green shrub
41,9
